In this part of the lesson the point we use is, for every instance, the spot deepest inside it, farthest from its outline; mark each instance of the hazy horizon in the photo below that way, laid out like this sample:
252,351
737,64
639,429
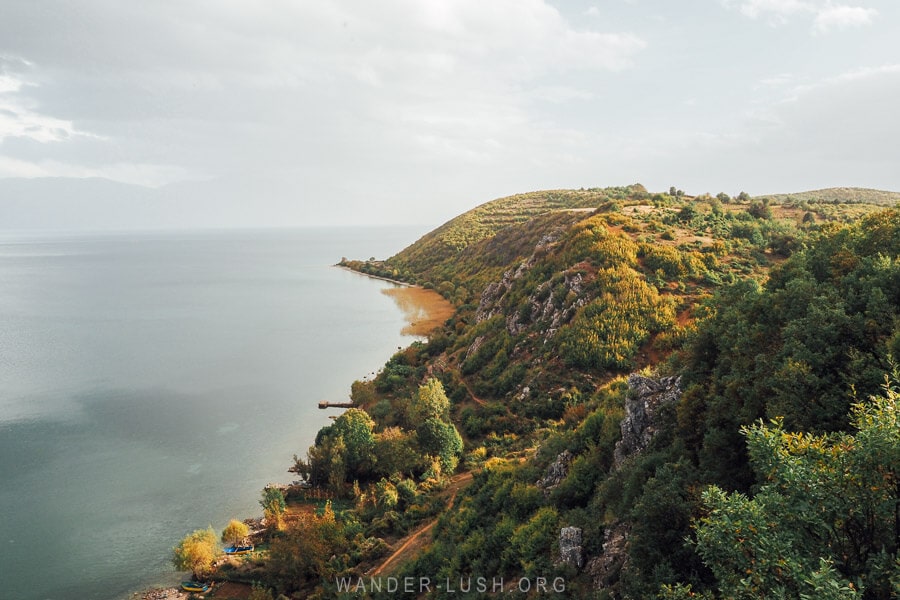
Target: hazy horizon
299,113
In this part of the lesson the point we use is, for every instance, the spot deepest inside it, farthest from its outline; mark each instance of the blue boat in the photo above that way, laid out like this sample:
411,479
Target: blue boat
233,550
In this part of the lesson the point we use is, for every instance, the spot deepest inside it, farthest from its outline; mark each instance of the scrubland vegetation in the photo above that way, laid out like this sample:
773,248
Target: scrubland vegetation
775,474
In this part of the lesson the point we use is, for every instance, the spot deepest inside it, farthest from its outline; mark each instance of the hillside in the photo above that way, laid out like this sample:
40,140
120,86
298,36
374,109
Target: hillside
841,195
609,356
455,249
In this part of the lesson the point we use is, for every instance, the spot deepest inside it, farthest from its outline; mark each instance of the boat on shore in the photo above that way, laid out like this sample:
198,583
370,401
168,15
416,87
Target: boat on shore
234,550
195,586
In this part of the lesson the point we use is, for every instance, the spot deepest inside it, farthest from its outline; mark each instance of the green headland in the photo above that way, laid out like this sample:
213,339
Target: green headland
636,395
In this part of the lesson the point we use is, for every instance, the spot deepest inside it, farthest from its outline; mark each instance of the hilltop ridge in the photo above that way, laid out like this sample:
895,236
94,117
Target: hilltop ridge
845,195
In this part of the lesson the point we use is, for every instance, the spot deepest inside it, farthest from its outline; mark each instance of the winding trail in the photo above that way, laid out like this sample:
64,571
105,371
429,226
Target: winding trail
477,400
416,541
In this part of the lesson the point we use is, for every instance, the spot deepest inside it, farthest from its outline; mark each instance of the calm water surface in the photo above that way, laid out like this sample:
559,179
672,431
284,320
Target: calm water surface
152,384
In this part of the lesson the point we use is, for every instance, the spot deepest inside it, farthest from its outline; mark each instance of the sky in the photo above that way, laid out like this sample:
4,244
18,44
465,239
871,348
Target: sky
322,112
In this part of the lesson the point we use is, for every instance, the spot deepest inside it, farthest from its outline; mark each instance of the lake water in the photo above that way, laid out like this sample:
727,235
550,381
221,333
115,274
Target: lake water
152,384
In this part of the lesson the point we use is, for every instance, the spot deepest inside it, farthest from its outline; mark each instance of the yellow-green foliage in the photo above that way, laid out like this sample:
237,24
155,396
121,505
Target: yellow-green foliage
666,259
592,240
529,542
235,532
607,332
196,552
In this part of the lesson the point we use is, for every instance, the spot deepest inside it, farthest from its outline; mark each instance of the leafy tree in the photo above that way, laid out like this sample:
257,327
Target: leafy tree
827,516
760,209
431,402
396,452
661,518
530,544
273,505
235,532
196,553
824,323
442,440
311,550
324,465
687,212
355,428
344,451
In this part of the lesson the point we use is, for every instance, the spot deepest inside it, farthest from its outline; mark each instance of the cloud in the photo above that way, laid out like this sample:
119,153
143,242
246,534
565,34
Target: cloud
826,16
17,119
842,17
300,82
778,11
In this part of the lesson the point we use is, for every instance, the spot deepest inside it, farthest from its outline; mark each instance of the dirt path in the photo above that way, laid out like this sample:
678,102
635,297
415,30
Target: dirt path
415,542
477,400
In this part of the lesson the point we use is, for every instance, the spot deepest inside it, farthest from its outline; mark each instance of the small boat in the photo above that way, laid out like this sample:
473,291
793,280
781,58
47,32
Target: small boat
233,550
194,586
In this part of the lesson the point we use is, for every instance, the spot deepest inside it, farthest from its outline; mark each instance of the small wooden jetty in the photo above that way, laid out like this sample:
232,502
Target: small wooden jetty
327,404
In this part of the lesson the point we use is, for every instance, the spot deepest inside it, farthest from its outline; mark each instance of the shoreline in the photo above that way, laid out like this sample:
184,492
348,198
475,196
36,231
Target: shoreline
381,277
425,310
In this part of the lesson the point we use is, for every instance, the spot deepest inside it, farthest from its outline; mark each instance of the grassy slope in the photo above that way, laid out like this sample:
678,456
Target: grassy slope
438,249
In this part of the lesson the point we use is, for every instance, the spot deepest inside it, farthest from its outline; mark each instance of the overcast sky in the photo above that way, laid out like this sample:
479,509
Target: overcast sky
278,112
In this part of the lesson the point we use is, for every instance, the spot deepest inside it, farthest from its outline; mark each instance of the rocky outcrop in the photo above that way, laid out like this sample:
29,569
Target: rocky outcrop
605,569
489,305
556,472
547,311
473,348
645,397
570,551
542,307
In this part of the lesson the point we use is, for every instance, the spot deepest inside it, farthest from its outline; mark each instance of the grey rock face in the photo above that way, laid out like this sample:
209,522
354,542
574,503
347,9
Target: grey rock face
556,472
570,551
605,568
640,424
